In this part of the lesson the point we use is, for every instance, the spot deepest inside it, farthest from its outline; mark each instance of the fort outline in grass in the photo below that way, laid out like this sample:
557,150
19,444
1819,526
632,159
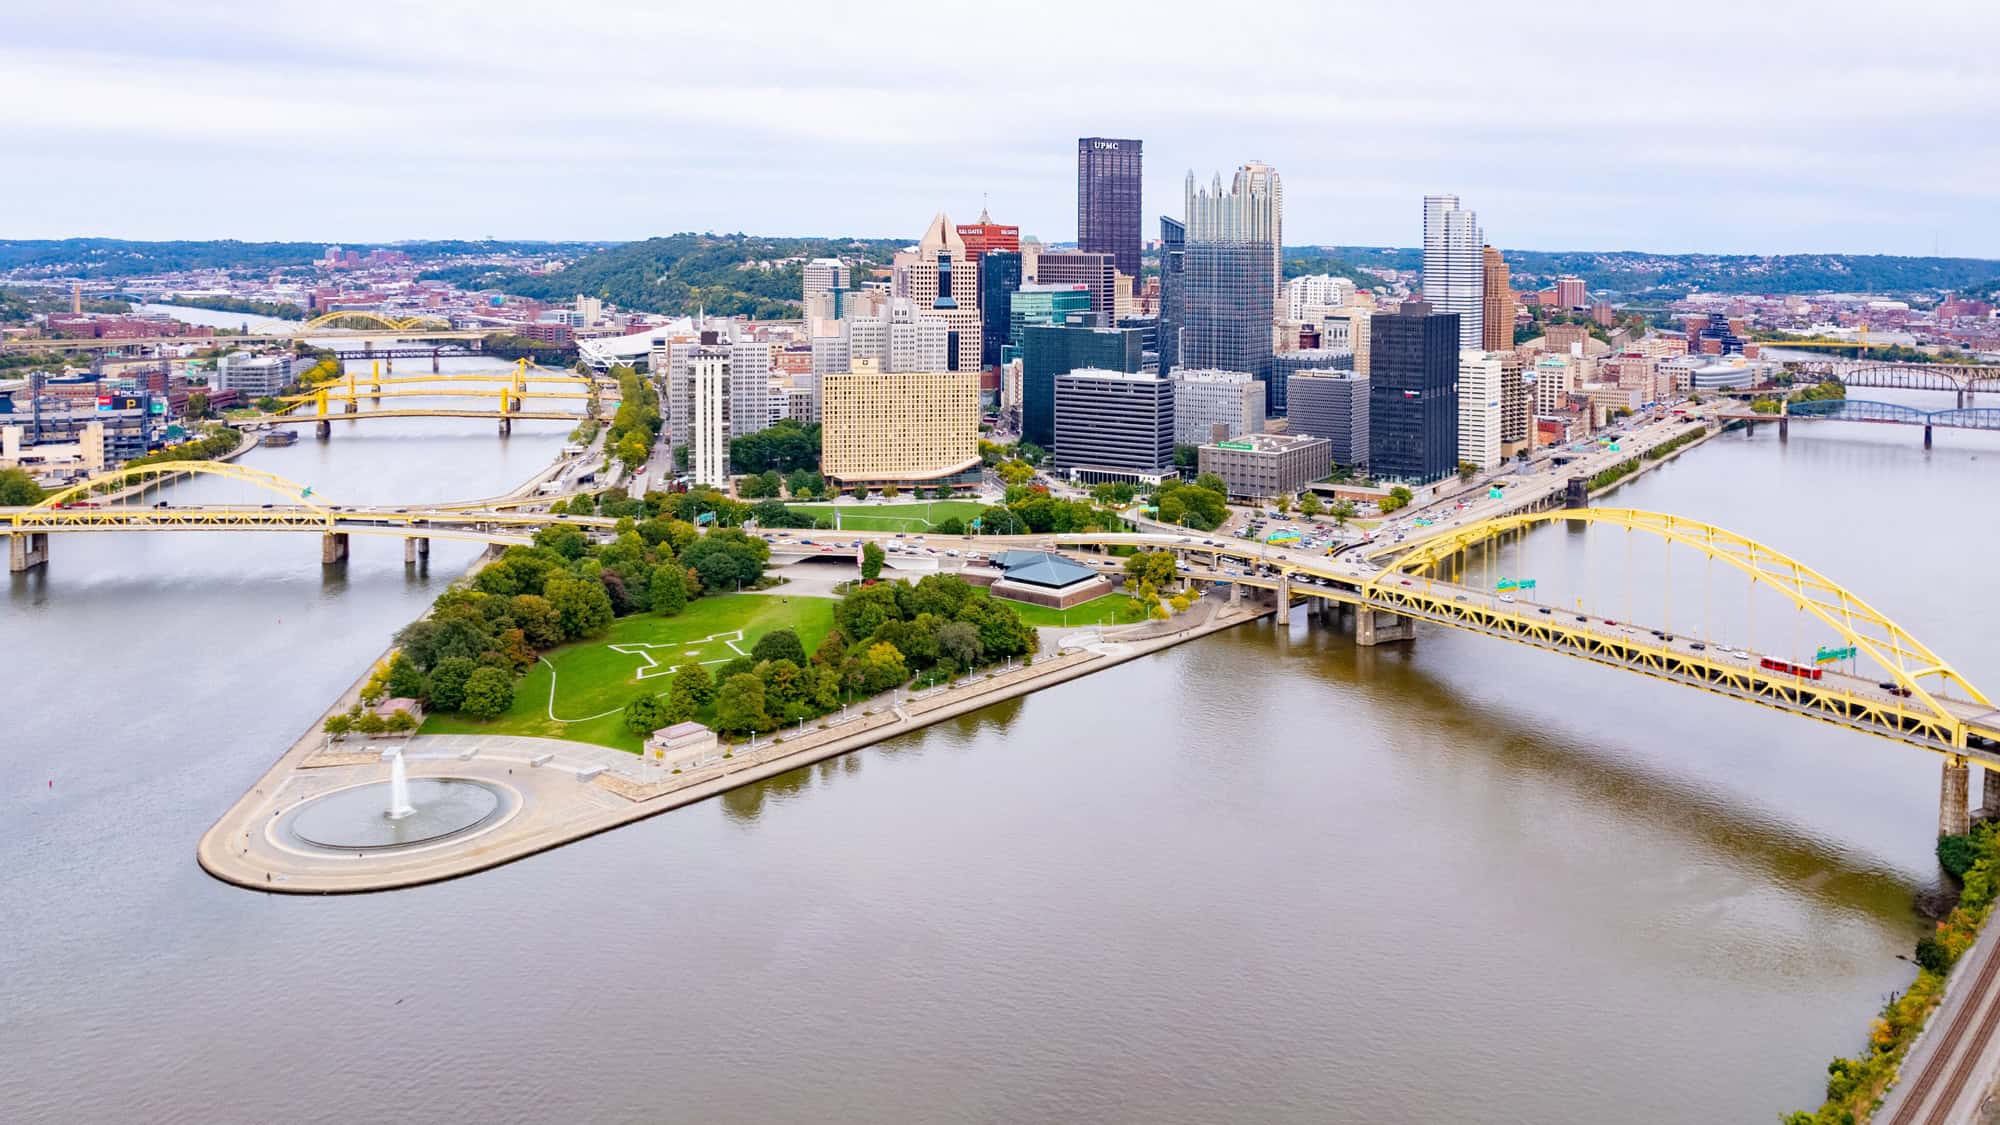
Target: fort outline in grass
652,668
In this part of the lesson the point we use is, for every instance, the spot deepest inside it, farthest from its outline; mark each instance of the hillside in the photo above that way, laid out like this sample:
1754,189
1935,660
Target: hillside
1634,274
726,274
119,257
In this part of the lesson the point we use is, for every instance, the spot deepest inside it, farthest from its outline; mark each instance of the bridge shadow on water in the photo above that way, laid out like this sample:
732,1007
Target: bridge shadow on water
1390,680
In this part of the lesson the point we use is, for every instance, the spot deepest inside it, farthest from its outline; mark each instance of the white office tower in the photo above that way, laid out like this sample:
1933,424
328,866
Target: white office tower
749,387
1316,291
1263,180
826,274
1455,266
898,341
1480,398
708,384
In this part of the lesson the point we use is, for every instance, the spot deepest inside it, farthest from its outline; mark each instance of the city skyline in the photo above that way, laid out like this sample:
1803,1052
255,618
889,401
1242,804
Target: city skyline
1635,166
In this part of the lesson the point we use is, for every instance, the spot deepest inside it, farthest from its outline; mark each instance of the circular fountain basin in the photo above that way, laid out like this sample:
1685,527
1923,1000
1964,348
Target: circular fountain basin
357,819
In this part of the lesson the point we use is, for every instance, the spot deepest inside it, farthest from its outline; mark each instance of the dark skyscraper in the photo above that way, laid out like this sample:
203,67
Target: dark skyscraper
1173,291
1413,394
999,280
1051,350
1228,307
1107,200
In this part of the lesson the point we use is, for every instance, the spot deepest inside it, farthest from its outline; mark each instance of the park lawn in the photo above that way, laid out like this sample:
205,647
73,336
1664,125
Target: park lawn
1107,609
919,516
593,681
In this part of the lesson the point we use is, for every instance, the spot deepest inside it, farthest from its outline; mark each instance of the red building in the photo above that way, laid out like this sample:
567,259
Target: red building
987,235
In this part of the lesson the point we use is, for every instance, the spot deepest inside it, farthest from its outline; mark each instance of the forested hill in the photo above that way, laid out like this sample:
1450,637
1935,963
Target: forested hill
1632,273
120,257
725,274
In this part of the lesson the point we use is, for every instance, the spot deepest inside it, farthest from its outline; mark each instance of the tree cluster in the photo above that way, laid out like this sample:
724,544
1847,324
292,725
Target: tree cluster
1201,505
784,446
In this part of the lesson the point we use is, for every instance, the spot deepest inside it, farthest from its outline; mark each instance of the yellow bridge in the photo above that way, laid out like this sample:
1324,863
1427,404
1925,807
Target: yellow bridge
509,389
1893,686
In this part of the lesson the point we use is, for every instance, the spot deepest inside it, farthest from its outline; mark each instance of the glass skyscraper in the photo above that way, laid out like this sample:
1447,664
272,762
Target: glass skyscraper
1107,199
1173,291
1051,350
999,277
1413,394
1228,301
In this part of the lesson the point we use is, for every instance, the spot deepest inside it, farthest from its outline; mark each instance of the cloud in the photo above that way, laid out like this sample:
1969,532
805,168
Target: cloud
1775,126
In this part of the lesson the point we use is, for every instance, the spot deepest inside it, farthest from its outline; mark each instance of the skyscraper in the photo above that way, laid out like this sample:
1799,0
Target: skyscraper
986,235
941,281
1107,199
1113,425
1098,271
1413,393
1454,268
1481,406
999,279
1051,350
1230,303
1497,314
1173,291
1262,180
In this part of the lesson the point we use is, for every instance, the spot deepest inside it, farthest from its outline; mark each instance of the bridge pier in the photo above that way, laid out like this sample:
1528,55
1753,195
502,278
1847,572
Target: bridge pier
26,551
322,429
1284,599
1235,593
1989,808
1927,435
506,427
1370,630
435,368
333,548
416,549
1784,428
1953,819
1576,493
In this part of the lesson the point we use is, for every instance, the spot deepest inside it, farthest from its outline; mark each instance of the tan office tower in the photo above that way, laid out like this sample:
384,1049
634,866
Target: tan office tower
903,428
940,278
1497,320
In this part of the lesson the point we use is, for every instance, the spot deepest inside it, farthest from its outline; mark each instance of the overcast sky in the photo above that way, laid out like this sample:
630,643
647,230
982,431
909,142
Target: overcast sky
1766,126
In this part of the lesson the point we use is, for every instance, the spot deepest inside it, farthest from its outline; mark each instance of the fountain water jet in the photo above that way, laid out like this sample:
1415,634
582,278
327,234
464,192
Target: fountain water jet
399,786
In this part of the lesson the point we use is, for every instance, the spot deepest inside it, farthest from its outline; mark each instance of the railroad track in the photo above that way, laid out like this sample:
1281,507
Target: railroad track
1979,1015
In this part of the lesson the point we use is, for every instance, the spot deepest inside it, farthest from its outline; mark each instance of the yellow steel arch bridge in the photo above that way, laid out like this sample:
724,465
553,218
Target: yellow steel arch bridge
361,318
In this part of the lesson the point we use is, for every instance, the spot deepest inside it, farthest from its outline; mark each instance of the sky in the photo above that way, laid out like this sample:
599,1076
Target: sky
1761,127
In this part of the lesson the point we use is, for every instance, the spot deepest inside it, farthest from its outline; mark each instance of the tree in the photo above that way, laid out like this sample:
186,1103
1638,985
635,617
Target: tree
197,405
1015,472
959,641
564,540
1309,505
646,714
18,489
400,722
727,558
581,604
1398,497
1186,456
890,491
371,723
739,706
1154,569
779,644
872,557
668,589
1467,470
1341,511
1283,504
406,680
859,491
446,684
488,693
338,725
830,651
883,667
536,619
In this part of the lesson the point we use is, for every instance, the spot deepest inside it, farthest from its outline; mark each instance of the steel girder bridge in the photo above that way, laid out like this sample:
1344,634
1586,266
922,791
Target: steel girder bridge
1877,413
1961,379
98,505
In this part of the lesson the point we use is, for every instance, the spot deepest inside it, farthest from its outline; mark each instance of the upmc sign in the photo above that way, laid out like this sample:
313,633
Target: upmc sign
1111,145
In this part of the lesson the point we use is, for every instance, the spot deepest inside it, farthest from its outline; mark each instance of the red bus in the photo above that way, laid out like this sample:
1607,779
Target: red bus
1790,669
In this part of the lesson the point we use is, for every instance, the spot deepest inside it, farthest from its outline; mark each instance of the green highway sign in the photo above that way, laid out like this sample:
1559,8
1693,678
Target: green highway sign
1515,584
1829,655
705,517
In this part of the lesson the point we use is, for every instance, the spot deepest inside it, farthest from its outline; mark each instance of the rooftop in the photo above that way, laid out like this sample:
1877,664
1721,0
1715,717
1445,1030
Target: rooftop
1042,568
1267,443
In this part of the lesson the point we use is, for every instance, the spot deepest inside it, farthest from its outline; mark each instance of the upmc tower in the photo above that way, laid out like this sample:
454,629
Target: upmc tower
1107,200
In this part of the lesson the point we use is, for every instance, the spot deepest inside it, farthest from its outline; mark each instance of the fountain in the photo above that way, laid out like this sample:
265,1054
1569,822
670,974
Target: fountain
399,785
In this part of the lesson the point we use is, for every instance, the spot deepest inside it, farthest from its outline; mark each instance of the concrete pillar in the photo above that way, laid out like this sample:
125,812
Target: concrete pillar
350,407
1235,593
333,548
409,552
27,550
1784,428
322,429
1284,599
1990,807
1577,493
506,427
1927,435
1952,818
1370,630
424,549
434,362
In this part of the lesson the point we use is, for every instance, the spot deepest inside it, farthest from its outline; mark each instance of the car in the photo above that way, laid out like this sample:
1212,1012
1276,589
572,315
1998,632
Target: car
1608,621
806,543
1458,597
1407,582
1581,617
1697,646
953,553
899,535
1895,689
161,504
1543,610
1506,597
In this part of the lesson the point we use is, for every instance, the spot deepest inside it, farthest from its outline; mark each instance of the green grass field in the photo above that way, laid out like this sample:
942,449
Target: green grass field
594,680
1109,609
919,516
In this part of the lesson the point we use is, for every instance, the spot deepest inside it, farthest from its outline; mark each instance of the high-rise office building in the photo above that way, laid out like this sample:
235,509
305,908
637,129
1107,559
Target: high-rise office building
1516,405
941,281
999,279
1454,266
745,404
1497,315
825,275
1230,304
1204,400
1555,378
1108,175
1317,290
1261,181
987,235
904,428
1284,365
1051,350
1481,408
1333,405
1413,394
1173,291
1113,425
705,426
1571,293
1098,271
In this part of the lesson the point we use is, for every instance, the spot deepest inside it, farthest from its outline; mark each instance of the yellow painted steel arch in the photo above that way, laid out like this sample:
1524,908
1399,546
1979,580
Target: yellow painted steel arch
292,491
1909,661
394,324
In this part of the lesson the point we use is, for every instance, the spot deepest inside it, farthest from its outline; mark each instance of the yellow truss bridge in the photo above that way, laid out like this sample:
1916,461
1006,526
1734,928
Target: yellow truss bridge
356,318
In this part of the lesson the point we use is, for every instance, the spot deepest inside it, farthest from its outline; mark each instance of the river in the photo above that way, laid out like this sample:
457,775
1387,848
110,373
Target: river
1265,876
